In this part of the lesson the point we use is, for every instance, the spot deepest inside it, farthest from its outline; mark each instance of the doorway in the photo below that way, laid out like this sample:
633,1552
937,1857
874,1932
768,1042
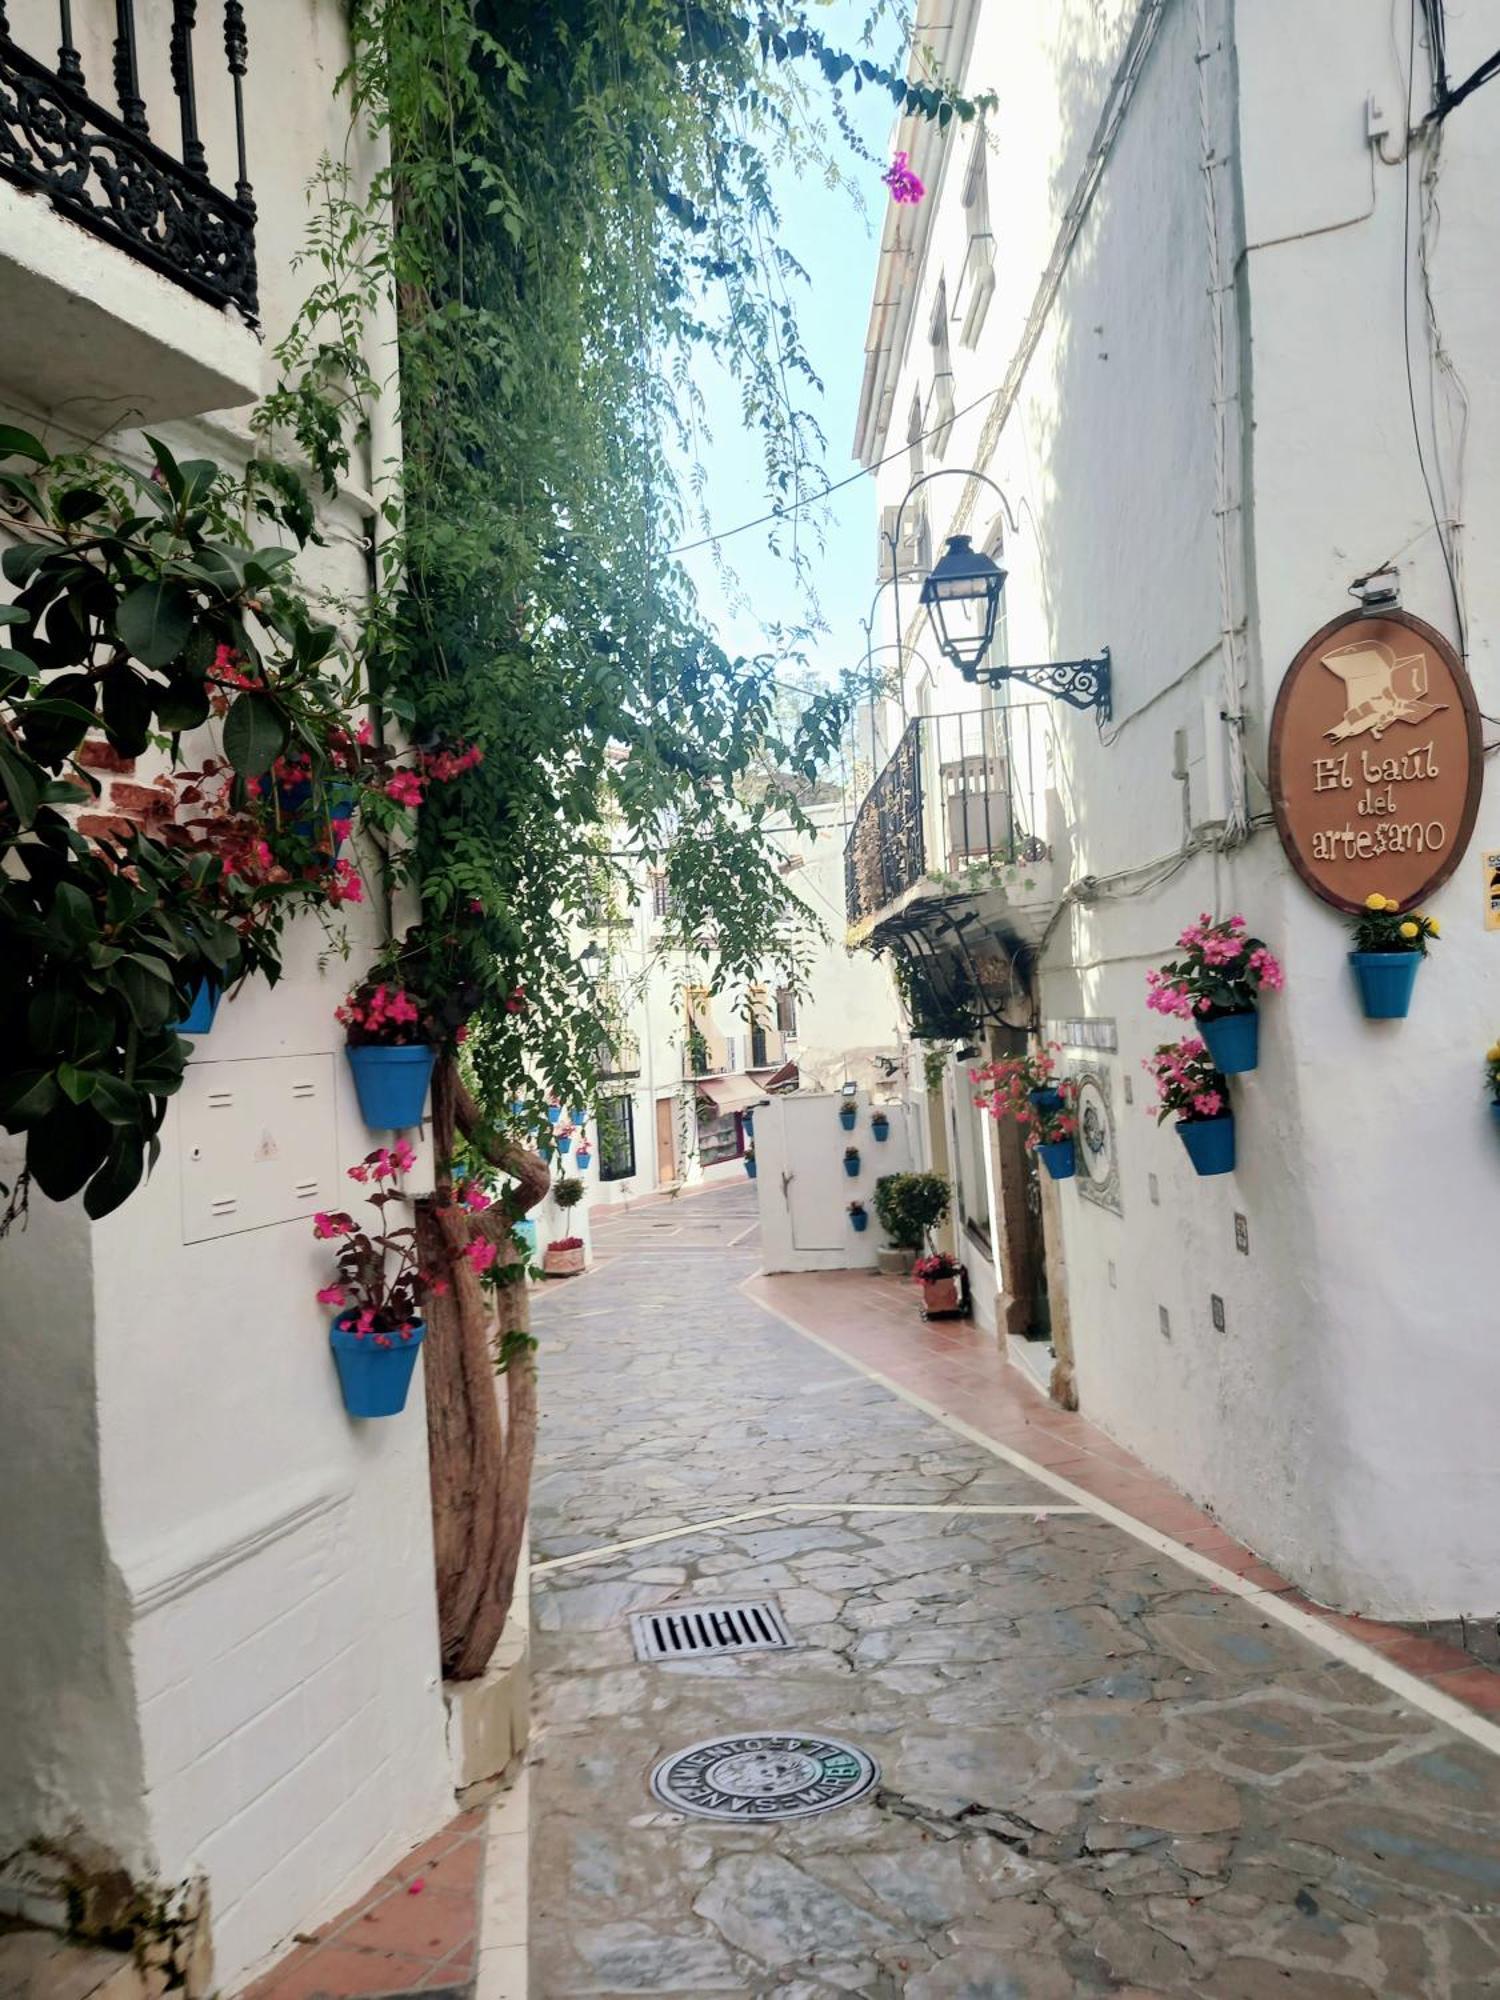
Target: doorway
666,1141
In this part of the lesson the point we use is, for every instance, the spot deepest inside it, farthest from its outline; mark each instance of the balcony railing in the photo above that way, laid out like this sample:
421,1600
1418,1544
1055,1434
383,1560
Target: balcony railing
959,790
102,167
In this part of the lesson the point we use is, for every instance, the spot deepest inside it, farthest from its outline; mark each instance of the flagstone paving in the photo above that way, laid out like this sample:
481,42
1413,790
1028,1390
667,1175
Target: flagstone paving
1098,1773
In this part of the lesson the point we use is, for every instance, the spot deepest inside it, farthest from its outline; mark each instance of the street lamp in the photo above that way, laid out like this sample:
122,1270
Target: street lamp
591,962
962,593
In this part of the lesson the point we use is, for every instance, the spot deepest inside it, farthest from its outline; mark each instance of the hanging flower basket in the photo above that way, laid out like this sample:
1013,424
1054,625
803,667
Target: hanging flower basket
750,1165
859,1215
1209,1142
748,1121
554,1113
391,1083
847,1116
851,1162
375,1379
564,1143
583,1156
1045,1102
1388,948
1059,1157
880,1125
1232,1040
200,1016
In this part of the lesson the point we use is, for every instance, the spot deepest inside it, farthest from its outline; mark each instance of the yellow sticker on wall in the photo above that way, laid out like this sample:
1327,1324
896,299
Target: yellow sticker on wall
1492,891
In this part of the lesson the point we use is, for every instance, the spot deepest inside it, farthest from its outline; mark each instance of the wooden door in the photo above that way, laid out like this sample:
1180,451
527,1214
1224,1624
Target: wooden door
666,1141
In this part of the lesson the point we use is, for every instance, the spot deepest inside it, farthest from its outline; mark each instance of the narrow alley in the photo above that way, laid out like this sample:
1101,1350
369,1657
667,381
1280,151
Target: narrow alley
1026,1752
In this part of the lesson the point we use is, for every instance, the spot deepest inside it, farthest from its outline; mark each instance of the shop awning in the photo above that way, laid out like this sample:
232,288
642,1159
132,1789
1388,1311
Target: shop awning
730,1093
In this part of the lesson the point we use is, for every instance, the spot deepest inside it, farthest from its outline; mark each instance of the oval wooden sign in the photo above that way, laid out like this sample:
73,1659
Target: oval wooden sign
1376,760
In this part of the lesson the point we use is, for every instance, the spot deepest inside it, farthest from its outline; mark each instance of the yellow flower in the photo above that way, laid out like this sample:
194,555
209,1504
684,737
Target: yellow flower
1410,930
1434,928
1492,1053
1374,902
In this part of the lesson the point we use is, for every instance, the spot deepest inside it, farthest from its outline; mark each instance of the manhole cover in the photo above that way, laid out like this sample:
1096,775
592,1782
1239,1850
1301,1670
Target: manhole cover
691,1631
764,1777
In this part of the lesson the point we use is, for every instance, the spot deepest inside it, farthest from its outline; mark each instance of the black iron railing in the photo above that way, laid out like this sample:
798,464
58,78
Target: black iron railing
960,791
103,169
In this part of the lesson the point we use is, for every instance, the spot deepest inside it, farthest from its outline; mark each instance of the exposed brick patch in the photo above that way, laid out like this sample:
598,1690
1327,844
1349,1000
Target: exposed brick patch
97,755
144,802
105,826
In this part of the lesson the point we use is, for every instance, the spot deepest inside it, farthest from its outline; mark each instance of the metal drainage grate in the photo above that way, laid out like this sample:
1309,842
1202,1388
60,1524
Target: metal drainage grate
691,1631
764,1777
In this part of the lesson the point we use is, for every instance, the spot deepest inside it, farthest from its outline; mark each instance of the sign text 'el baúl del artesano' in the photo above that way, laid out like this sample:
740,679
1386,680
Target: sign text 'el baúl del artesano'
1376,762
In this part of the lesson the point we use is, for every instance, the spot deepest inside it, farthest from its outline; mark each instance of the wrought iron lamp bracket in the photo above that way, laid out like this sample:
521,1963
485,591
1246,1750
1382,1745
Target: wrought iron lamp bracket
1081,683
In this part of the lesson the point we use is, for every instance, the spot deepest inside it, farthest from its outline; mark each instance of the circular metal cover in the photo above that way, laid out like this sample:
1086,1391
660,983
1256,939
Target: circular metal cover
763,1777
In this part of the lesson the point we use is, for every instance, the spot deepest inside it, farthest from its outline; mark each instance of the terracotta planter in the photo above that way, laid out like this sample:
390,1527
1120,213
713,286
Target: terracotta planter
562,1263
940,1295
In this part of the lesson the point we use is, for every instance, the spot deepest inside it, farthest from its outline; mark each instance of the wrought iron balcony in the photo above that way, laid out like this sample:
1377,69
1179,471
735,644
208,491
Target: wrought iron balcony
961,794
103,168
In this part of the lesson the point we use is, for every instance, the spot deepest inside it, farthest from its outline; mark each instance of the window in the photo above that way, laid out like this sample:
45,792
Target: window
940,412
615,1119
914,454
661,896
976,280
758,1056
786,1011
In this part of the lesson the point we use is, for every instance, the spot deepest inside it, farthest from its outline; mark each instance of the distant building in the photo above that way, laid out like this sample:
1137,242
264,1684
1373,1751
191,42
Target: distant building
1185,299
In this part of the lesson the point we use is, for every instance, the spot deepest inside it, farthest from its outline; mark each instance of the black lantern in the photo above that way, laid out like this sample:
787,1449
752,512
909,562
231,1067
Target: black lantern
591,962
963,595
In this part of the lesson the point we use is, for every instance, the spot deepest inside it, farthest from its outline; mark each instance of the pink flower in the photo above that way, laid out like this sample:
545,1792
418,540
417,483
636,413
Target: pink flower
405,787
902,181
480,1255
475,1200
359,1173
331,1295
1208,1104
326,1226
365,734
404,1156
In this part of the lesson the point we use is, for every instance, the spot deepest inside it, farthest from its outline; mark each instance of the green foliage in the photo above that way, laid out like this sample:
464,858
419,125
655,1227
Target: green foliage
567,1191
909,1205
141,607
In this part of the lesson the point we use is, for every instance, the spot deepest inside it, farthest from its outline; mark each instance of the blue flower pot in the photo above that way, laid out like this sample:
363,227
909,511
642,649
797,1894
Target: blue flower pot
375,1380
564,1143
585,1156
847,1116
851,1167
747,1120
1045,1100
554,1113
861,1223
580,1114
750,1168
518,1107
1386,979
1233,1040
526,1228
1060,1158
200,1016
1209,1142
1495,1112
391,1083
331,814
881,1127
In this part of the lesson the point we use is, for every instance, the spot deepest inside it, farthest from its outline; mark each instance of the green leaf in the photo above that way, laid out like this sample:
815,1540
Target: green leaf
25,1096
21,782
21,444
66,1149
154,621
147,990
255,734
128,704
166,465
77,1084
115,1101
12,614
79,504
184,705
22,560
73,914
118,1178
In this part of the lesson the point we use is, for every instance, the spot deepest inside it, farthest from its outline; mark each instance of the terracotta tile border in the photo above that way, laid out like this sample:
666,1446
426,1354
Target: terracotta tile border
415,1929
969,1377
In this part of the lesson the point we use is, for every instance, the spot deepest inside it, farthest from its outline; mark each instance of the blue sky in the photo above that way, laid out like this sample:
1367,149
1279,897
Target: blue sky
836,245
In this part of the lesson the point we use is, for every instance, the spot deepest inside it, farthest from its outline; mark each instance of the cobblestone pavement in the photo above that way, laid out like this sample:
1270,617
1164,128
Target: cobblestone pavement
1098,1774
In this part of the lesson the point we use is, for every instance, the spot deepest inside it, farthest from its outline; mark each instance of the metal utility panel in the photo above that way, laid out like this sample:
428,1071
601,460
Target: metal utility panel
259,1143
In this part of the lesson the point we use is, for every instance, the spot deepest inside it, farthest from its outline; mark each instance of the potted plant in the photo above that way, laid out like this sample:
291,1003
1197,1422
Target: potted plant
568,1191
585,1151
860,1217
564,1143
880,1125
1215,985
199,1018
1388,948
908,1206
938,1277
750,1161
377,1326
563,1257
847,1114
389,1053
1192,1091
851,1162
1492,1078
1051,1138
1007,1087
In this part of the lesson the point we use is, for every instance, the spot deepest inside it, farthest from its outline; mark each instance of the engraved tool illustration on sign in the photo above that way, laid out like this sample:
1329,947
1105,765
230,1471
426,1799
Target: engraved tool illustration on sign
1375,759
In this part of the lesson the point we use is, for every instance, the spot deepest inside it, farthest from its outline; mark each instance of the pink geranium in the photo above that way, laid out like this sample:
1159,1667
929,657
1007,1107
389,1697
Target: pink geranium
1221,971
380,1284
901,178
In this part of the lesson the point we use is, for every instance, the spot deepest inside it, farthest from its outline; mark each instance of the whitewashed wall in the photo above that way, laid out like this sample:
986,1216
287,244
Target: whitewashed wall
1339,1421
220,1642
803,1191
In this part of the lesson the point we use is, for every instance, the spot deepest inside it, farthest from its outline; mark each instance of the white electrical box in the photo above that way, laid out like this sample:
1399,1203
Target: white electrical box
259,1143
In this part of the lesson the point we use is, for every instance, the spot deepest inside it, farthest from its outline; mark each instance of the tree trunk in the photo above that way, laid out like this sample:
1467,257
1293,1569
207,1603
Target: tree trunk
480,1467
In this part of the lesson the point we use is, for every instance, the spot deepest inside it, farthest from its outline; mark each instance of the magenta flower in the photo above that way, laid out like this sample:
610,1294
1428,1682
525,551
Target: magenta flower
480,1255
403,1155
331,1295
902,181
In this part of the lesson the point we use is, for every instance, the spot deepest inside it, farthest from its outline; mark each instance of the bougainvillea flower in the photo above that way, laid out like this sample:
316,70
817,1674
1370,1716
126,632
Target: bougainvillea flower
480,1255
902,181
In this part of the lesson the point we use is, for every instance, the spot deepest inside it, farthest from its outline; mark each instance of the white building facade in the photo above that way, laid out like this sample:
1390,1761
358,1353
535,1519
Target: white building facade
1185,300
220,1644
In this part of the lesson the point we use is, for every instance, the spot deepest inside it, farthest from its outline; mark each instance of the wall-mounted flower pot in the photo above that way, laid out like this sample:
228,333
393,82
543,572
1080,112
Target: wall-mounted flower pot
565,1143
1209,1142
750,1168
526,1229
1060,1158
1495,1112
584,1156
375,1380
1233,1040
391,1083
940,1295
199,1018
1386,979
562,1263
747,1120
862,1222
847,1116
554,1113
579,1114
881,1127
1045,1100
851,1165
518,1107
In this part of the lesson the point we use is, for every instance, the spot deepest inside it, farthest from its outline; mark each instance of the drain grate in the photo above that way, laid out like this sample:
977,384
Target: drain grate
692,1631
764,1777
